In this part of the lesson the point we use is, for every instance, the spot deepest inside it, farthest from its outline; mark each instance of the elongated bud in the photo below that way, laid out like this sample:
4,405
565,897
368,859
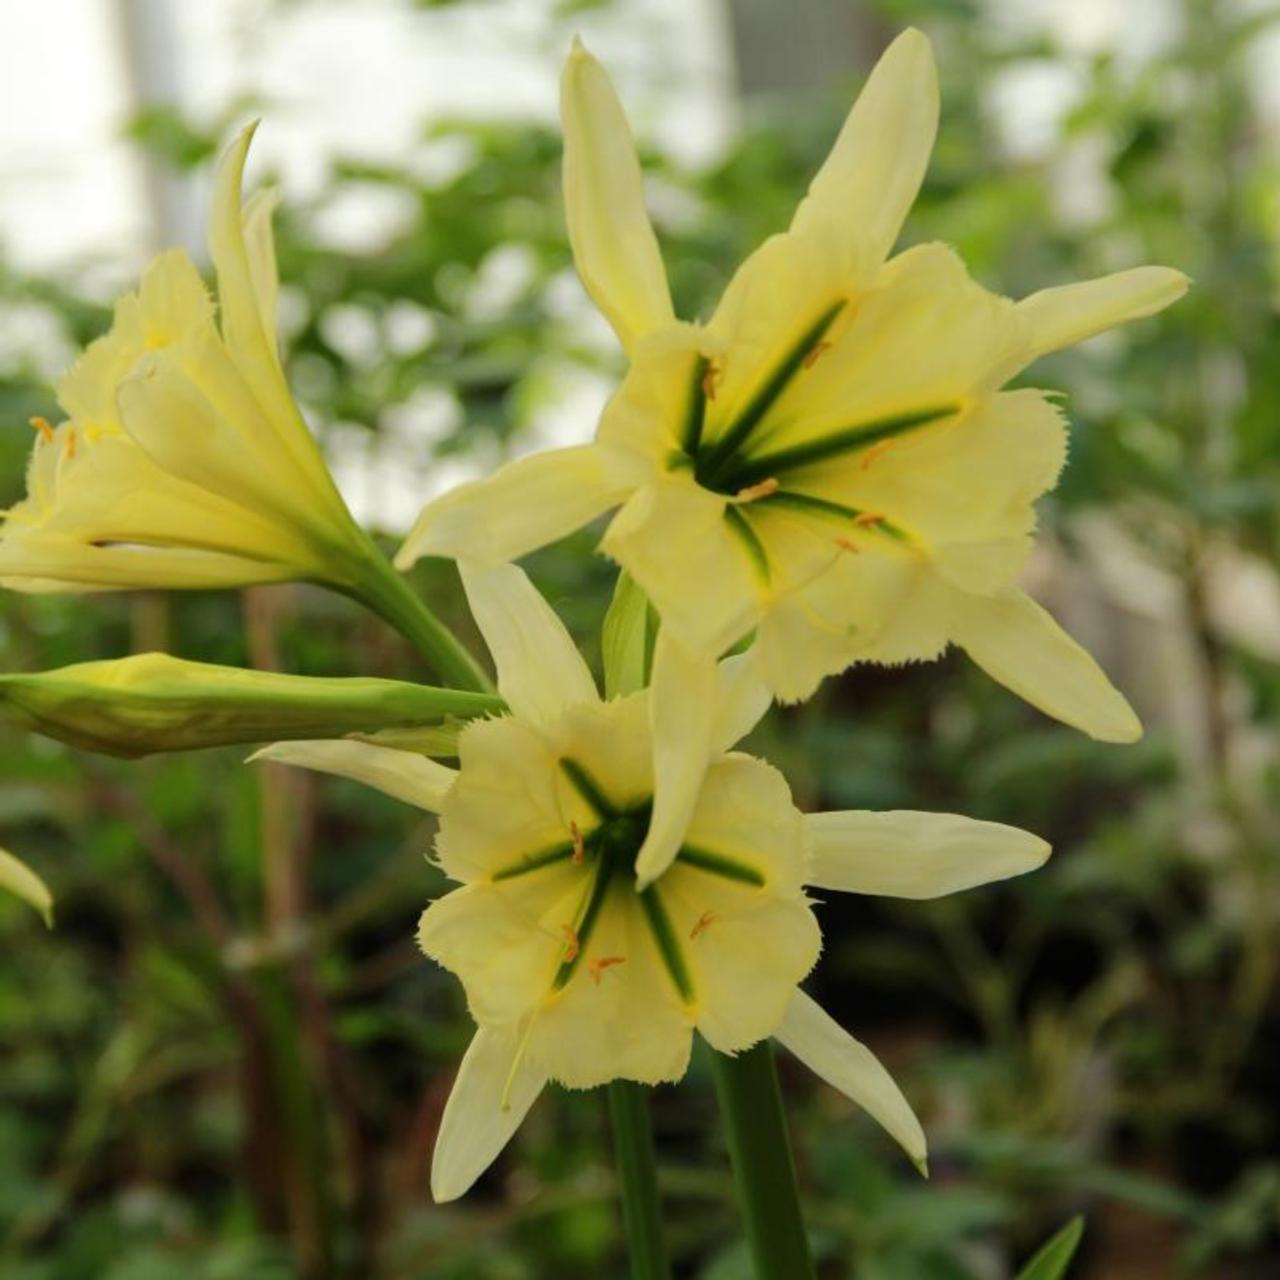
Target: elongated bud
154,702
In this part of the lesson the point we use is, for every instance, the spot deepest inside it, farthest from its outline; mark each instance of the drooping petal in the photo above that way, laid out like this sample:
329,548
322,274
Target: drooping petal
490,1098
903,854
540,671
833,1055
1017,643
682,712
614,247
20,880
1071,313
743,700
524,505
870,179
675,540
402,774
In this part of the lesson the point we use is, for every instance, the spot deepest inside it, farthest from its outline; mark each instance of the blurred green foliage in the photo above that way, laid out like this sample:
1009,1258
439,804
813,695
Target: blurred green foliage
229,1059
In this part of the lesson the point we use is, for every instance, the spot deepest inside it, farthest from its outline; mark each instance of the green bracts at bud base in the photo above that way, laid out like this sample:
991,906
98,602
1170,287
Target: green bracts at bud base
154,702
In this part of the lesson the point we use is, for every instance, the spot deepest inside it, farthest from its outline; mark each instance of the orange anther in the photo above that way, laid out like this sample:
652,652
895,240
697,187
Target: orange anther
69,450
709,380
571,944
867,519
754,491
599,965
43,426
848,544
815,354
579,848
881,446
704,920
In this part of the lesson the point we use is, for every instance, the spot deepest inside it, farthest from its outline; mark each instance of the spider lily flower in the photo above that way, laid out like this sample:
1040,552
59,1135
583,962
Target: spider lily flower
183,460
830,460
579,969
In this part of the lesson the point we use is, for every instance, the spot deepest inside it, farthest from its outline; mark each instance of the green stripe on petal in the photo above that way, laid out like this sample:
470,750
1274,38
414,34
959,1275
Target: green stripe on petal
664,937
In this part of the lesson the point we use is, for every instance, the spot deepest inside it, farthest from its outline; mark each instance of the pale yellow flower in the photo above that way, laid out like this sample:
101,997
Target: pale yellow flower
577,966
829,461
184,461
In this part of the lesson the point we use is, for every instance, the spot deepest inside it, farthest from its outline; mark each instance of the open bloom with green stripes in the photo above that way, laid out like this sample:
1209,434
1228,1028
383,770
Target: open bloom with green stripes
830,459
577,969
183,460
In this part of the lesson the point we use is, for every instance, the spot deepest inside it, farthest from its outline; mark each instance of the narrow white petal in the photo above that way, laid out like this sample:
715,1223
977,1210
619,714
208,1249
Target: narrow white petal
846,1064
903,854
403,774
614,246
742,702
490,1098
522,506
1017,643
682,711
540,671
870,179
1061,317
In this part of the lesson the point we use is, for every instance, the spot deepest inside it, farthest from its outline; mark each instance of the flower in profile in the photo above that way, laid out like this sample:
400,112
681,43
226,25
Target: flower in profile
582,966
183,460
830,460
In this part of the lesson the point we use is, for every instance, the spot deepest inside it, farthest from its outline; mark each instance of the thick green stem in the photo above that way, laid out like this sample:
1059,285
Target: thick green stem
751,1108
638,1179
379,586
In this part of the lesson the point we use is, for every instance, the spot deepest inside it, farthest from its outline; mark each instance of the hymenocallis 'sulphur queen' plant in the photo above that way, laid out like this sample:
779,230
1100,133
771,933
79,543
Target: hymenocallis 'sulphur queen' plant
827,471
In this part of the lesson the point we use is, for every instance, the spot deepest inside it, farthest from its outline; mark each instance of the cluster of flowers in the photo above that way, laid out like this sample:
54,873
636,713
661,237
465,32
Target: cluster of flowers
826,471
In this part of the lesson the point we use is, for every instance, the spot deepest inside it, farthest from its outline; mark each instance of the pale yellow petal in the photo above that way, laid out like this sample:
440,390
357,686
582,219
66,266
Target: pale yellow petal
674,538
238,297
1017,643
260,246
540,671
504,941
244,262
402,774
524,505
903,854
742,701
874,171
683,698
619,1017
490,1098
20,880
506,803
614,246
1071,313
192,412
833,1055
